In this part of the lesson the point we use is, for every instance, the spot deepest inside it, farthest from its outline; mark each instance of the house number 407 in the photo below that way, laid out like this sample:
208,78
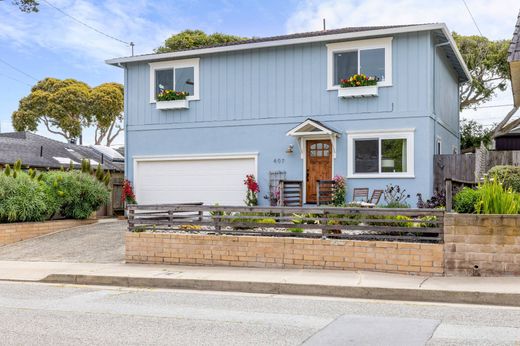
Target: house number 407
279,161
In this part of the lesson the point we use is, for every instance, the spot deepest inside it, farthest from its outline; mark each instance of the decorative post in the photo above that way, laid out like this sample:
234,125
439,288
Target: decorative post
449,195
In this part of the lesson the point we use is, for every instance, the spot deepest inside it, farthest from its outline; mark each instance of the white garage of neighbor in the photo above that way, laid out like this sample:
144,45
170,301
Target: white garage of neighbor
184,179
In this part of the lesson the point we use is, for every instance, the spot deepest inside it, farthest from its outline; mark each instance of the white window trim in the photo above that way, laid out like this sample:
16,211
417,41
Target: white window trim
161,65
407,134
384,42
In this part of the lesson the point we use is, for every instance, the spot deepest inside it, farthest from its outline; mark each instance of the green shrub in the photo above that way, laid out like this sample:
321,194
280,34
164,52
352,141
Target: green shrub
495,199
465,200
23,199
296,230
508,175
77,194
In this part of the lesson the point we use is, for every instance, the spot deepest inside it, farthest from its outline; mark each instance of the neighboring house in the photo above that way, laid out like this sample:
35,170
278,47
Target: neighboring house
43,153
509,137
274,104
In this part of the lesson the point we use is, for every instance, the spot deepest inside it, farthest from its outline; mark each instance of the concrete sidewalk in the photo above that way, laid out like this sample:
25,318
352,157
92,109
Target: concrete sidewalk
351,284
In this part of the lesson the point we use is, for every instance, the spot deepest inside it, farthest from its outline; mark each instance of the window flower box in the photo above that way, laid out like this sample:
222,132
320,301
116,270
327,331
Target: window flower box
176,104
358,85
364,91
171,99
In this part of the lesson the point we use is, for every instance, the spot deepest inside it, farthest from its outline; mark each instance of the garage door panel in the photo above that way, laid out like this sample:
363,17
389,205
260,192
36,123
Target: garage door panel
210,181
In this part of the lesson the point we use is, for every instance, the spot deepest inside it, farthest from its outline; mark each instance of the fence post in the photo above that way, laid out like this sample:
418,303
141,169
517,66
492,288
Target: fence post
170,217
131,212
449,195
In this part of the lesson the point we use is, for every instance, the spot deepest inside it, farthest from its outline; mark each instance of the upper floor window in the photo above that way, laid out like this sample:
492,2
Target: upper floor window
370,57
178,75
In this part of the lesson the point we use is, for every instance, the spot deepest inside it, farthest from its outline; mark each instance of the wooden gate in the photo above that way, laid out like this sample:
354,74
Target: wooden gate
453,166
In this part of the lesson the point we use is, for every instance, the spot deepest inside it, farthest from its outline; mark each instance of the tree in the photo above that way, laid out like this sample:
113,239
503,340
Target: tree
66,106
487,63
189,39
26,6
61,105
106,107
473,133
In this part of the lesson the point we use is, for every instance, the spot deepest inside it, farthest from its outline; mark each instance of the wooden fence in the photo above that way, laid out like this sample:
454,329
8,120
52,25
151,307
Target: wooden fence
418,225
462,167
454,167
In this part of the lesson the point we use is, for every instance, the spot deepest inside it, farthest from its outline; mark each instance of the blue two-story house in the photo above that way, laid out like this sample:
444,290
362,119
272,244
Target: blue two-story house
275,104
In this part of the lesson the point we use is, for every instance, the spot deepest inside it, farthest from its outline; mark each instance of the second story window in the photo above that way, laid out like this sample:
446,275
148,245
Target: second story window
372,58
178,75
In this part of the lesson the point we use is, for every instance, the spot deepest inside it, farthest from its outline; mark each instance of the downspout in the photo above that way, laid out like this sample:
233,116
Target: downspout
434,93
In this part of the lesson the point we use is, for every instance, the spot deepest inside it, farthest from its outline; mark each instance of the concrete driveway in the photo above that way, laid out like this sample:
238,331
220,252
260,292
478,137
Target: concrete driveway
102,242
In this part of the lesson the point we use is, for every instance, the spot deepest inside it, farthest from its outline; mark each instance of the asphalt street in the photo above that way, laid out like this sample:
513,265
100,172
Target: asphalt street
45,314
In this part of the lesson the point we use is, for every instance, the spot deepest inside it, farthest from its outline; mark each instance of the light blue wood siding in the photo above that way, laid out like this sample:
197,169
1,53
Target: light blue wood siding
250,99
286,82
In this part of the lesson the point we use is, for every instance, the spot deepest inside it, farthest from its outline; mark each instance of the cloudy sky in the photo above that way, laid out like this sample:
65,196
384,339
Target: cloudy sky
51,44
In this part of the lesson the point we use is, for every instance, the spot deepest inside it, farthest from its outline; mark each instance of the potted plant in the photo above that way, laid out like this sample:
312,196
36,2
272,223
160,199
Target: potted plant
127,195
358,85
171,99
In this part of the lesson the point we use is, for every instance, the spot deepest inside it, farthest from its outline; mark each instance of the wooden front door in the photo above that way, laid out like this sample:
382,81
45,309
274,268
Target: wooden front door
319,165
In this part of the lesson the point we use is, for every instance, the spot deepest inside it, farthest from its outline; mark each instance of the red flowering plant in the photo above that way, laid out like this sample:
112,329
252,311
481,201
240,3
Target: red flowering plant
358,80
252,190
339,191
128,195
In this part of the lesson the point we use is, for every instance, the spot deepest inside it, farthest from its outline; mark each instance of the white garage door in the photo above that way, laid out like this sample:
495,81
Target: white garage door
208,180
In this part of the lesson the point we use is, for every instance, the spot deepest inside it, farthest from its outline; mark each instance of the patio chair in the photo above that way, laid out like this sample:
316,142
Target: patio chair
360,195
376,196
291,192
324,189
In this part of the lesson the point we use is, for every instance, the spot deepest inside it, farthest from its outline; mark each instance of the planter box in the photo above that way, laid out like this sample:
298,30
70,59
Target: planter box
486,245
177,104
282,252
14,232
364,91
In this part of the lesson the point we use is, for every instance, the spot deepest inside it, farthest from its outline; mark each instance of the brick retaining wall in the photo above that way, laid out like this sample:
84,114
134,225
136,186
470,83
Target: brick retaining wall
14,232
491,242
271,252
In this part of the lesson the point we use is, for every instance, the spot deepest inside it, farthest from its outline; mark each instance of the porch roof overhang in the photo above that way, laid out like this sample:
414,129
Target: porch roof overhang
310,128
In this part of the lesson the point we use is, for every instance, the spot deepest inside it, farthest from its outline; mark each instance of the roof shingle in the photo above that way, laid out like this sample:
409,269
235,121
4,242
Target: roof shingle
41,152
514,48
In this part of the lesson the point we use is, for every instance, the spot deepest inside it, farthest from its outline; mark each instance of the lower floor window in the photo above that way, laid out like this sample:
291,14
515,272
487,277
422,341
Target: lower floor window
381,154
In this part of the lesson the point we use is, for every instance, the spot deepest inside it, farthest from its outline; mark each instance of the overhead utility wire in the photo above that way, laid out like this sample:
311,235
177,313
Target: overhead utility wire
470,14
15,79
87,25
17,69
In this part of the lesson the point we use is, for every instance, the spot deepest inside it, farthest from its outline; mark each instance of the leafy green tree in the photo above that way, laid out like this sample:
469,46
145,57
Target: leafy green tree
487,63
66,106
189,39
473,133
26,6
61,105
106,107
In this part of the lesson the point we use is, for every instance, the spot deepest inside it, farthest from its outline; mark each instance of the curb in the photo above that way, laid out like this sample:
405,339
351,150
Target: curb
381,293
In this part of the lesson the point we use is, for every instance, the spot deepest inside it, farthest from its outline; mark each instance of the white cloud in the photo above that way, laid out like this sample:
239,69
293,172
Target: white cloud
52,30
496,18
